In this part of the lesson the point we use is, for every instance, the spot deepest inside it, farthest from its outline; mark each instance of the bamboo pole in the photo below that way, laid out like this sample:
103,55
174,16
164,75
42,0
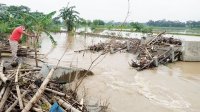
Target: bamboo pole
37,109
2,92
17,88
38,94
13,95
16,101
35,48
25,70
56,92
66,105
2,76
81,103
5,97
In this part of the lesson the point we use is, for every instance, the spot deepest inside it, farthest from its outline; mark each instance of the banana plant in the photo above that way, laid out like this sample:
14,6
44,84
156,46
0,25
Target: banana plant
39,25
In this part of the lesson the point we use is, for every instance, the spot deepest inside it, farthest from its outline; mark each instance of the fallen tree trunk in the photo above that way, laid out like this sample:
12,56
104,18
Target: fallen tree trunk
38,94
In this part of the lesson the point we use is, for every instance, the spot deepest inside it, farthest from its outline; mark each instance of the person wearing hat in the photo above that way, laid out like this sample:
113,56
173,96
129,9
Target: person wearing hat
14,39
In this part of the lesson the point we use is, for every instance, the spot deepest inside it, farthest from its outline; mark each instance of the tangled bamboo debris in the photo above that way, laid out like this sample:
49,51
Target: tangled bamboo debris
28,91
2,76
159,50
152,50
113,46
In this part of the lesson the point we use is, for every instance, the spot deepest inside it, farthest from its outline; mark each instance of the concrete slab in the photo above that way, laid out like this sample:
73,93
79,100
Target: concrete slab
191,51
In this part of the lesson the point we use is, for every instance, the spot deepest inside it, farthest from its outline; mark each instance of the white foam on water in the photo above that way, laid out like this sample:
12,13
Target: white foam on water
156,94
160,95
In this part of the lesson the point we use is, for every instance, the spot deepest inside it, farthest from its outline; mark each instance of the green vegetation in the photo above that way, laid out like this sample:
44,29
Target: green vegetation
101,25
173,27
37,22
13,16
70,17
165,23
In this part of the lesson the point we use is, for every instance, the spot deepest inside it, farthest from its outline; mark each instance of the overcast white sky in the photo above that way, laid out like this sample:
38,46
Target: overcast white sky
140,10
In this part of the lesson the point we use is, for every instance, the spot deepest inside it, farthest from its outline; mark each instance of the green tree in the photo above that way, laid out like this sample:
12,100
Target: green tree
138,27
70,17
98,22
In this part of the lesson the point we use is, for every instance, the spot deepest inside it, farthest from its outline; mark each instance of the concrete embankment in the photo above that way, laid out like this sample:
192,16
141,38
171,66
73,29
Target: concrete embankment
191,51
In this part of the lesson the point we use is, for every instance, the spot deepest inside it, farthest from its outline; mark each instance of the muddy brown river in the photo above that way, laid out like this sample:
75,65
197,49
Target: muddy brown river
171,88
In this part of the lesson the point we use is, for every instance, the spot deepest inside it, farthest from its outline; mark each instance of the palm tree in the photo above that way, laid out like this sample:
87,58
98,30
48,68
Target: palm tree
70,17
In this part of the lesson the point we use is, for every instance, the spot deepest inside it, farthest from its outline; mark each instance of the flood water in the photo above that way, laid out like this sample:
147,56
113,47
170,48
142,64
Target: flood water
171,88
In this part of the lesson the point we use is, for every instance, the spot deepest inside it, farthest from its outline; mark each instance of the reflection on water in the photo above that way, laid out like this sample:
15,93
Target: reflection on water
171,88
70,41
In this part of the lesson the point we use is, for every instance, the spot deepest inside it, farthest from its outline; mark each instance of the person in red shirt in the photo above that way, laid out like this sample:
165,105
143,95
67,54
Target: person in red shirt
14,40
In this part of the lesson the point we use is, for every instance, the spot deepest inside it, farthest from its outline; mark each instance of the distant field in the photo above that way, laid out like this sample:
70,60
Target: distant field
169,30
178,30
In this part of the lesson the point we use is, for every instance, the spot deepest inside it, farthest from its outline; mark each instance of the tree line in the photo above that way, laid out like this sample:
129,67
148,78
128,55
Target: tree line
167,23
68,17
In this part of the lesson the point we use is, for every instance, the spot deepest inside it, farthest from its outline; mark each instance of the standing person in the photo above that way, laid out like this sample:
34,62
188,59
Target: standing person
14,41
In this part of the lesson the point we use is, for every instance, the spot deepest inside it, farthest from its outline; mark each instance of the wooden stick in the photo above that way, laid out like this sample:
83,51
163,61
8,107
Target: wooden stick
13,95
17,88
2,76
38,94
2,92
16,101
81,103
56,92
26,70
5,97
66,105
37,109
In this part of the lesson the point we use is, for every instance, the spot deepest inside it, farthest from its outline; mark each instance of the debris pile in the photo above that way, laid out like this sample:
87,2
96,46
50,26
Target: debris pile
5,49
23,89
152,50
159,50
114,46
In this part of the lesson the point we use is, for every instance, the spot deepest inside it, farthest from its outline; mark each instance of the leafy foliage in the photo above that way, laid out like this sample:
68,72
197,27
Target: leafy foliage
70,17
39,24
98,22
35,22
